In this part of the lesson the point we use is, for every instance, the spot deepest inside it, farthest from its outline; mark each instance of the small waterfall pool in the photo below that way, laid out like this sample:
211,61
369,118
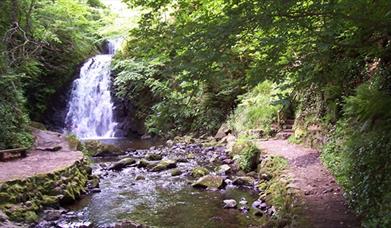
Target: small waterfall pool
90,113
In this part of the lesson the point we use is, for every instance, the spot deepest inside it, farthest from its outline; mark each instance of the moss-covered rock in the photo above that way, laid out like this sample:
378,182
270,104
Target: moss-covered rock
197,172
98,149
210,182
164,165
21,200
246,154
243,181
153,157
176,172
121,164
146,164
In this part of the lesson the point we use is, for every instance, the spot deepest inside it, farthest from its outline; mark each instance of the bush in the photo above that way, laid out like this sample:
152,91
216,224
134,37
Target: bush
359,154
258,109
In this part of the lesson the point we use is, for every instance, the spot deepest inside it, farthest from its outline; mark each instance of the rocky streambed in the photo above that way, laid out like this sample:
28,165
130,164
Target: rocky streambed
178,185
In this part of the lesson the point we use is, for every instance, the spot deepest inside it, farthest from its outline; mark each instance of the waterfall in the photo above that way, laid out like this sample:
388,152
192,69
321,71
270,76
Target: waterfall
90,113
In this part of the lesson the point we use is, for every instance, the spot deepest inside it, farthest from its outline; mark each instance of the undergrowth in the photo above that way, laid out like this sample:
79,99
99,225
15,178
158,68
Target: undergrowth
358,154
257,109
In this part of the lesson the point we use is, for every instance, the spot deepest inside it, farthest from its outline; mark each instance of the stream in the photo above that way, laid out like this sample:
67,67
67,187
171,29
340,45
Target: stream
159,199
135,194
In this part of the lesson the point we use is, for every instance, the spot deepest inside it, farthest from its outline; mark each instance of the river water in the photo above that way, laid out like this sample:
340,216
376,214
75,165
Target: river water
159,199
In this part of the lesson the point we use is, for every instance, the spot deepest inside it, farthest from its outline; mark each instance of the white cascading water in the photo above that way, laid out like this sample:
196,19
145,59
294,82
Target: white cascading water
90,113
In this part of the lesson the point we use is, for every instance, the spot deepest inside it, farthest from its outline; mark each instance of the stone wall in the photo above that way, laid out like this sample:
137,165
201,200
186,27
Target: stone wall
22,200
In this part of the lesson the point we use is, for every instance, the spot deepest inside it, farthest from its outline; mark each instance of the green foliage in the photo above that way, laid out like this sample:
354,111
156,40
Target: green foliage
13,118
276,192
358,154
42,43
246,153
74,142
257,109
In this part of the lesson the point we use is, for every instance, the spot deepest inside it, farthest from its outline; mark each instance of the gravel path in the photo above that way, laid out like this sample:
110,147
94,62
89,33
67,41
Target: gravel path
39,161
323,200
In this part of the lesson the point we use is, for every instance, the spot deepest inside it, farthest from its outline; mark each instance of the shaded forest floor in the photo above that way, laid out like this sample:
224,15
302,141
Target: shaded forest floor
40,160
323,201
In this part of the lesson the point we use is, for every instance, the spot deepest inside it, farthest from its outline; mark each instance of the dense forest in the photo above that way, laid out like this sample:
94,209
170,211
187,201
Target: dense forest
192,65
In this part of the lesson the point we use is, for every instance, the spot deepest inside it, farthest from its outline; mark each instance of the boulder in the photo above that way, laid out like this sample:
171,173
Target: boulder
164,165
224,169
176,172
199,172
52,215
117,166
98,149
209,181
170,143
140,177
243,181
146,164
230,140
222,132
153,157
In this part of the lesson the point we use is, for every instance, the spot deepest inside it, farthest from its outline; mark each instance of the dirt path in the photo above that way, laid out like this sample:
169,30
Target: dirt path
39,161
324,204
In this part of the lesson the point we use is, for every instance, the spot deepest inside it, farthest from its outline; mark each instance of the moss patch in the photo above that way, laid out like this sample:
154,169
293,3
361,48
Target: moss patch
275,191
21,200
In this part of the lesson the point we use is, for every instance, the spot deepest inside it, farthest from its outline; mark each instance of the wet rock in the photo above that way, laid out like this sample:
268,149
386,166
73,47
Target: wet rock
243,201
153,157
95,190
263,206
244,208
224,169
199,172
52,215
190,156
209,181
182,160
256,203
170,143
146,164
117,166
230,203
93,182
164,165
97,149
228,181
176,172
140,177
213,159
228,161
243,181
